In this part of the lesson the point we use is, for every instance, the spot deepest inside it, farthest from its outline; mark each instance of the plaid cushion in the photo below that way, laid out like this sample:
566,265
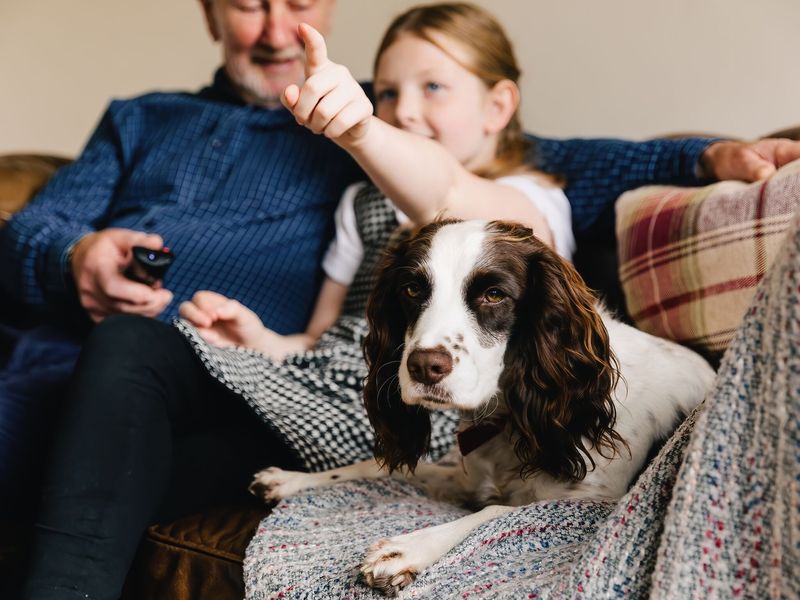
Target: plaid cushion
690,258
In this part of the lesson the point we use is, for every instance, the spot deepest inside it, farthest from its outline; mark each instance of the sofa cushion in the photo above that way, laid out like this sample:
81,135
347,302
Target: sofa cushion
196,557
690,258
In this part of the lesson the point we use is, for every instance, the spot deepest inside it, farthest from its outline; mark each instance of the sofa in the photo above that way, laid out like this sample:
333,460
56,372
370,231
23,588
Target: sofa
669,240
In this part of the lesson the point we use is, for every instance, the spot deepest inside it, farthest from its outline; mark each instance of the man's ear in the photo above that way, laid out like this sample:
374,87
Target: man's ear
211,22
503,100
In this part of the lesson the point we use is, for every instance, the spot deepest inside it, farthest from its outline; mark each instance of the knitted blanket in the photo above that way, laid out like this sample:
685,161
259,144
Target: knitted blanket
716,514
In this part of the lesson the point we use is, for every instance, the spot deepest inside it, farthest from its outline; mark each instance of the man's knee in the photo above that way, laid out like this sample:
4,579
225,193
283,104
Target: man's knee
125,331
130,355
128,338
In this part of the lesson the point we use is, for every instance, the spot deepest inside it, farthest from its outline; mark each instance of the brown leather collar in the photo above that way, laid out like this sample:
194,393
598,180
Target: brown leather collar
477,435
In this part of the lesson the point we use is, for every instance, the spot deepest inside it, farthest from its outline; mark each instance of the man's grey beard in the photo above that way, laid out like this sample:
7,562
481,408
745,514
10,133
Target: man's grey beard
251,86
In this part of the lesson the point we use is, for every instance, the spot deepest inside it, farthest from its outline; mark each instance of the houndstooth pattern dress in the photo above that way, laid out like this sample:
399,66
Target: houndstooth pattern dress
313,400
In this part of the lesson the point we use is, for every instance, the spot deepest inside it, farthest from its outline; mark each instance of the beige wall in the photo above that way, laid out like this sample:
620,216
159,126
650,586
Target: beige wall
631,68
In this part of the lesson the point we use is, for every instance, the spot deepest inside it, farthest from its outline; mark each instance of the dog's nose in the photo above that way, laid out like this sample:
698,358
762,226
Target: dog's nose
429,366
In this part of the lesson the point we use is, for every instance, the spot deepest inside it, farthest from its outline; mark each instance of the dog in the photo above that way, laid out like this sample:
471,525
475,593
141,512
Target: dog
558,399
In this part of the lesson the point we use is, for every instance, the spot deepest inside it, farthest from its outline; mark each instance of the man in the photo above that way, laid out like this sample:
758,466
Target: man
244,197
242,194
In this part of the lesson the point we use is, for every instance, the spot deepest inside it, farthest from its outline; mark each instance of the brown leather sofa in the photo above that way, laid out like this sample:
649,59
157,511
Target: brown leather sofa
200,556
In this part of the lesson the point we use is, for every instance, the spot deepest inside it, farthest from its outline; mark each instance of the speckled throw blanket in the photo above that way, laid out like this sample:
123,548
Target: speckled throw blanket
715,515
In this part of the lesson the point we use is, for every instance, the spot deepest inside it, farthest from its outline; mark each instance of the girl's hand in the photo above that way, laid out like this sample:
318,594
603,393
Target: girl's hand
222,321
331,101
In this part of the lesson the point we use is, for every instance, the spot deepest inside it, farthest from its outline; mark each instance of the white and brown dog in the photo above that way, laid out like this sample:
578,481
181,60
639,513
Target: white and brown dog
559,400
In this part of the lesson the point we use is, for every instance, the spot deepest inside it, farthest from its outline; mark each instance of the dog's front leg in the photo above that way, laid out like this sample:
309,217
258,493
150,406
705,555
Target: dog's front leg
394,563
275,484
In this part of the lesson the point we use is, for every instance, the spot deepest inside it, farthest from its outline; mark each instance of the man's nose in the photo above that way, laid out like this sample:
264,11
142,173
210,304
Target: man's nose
280,28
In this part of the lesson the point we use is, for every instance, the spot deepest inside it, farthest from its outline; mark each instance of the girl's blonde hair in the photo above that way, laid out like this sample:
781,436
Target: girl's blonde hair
491,59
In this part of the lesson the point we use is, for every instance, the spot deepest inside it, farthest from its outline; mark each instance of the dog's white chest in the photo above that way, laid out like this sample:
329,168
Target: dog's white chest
493,475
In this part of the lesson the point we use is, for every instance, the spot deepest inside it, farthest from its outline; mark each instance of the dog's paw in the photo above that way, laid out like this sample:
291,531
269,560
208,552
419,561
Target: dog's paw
274,484
389,565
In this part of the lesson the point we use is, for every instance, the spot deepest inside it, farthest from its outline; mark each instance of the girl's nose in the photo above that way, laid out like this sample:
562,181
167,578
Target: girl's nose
407,110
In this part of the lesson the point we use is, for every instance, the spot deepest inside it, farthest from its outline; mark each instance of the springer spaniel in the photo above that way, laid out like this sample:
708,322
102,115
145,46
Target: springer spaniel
558,399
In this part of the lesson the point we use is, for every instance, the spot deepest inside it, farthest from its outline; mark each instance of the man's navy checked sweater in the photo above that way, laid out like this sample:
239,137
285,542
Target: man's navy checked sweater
245,198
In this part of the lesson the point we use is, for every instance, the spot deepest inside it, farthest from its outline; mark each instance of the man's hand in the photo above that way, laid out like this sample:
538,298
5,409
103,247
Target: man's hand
748,161
222,321
330,101
98,260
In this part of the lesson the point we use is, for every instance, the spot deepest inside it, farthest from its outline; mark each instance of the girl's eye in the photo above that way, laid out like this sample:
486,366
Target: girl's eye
432,86
493,296
412,290
385,95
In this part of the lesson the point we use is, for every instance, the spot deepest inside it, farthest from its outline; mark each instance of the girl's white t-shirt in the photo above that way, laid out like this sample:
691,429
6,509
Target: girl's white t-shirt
346,251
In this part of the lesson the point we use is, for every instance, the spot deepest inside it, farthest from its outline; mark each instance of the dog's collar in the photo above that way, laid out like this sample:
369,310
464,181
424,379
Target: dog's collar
475,436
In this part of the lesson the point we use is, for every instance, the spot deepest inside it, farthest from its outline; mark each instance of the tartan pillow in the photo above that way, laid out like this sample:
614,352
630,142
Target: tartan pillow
690,258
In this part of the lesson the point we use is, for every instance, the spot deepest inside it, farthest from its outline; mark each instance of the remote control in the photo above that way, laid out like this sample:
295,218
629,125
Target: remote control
148,265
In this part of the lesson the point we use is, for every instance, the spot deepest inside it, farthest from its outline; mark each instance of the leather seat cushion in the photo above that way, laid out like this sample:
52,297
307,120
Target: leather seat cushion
195,557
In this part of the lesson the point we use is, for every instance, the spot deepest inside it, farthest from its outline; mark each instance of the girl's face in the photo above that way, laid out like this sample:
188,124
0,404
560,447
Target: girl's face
420,89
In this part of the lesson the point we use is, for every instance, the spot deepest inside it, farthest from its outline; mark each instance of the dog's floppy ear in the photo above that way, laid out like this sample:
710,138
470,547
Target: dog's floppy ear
402,432
560,372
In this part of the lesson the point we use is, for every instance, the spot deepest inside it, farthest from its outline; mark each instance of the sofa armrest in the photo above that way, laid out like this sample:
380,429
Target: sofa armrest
21,176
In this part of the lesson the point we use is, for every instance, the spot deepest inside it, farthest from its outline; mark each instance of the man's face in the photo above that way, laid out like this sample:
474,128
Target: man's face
261,49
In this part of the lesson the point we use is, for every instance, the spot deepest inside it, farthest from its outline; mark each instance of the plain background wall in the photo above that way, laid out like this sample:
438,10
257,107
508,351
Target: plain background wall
625,68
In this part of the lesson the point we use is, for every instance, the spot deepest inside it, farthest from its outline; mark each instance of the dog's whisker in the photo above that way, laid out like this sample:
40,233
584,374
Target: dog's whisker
396,381
387,382
488,409
390,362
387,364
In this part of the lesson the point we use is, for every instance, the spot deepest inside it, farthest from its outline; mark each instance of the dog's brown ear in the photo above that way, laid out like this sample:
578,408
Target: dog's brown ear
560,371
402,432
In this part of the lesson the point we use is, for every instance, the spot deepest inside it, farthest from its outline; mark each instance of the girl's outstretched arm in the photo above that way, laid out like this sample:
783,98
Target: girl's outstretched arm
418,174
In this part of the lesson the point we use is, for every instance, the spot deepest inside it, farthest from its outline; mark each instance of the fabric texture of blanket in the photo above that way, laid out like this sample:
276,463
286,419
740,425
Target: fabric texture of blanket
716,514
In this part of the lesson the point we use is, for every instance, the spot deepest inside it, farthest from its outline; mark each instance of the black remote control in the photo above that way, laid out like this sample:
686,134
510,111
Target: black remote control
148,265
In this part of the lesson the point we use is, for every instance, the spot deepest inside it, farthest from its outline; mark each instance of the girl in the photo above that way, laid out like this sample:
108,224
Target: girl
174,440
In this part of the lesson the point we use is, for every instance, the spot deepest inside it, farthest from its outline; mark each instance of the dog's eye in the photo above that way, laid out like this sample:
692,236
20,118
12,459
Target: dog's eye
412,290
493,296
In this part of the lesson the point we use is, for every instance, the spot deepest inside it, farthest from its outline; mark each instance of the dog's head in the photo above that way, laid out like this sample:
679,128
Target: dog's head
466,314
